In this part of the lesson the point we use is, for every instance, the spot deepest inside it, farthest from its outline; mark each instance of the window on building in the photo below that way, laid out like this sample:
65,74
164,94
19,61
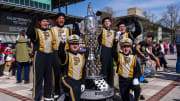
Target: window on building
31,3
35,4
11,1
48,7
22,2
44,6
17,1
5,0
40,5
27,2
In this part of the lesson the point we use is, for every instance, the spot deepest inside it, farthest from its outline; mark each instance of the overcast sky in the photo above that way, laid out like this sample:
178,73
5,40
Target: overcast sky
156,7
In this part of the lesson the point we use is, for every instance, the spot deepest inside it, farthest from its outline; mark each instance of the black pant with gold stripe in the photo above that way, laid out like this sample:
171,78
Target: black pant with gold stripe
107,64
57,72
72,88
42,72
125,85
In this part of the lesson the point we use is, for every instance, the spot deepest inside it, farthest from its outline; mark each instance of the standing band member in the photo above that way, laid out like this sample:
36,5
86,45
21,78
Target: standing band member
123,33
128,71
122,27
44,43
61,33
106,42
74,69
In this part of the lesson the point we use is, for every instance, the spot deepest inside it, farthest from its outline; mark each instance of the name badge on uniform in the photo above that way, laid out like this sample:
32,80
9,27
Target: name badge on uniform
46,35
76,60
127,60
109,33
121,37
60,32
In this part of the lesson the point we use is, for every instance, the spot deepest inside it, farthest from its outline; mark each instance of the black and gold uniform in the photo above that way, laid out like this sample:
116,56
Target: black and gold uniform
106,41
128,70
74,73
44,44
130,34
60,33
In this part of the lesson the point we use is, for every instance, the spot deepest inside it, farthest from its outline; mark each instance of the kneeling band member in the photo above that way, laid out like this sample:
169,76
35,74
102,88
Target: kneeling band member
74,74
128,71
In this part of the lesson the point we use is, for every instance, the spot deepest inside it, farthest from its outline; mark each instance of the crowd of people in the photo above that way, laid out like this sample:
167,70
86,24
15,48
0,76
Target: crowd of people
59,52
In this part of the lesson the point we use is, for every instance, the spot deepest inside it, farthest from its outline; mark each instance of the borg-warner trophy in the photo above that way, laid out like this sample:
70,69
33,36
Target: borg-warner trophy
96,86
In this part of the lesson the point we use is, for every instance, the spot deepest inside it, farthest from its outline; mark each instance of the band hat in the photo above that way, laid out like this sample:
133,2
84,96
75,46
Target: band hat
73,39
125,42
42,17
121,22
59,14
106,19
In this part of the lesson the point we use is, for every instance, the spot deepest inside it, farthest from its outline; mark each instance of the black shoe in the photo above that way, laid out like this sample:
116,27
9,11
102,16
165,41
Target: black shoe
142,97
26,82
145,81
56,97
18,82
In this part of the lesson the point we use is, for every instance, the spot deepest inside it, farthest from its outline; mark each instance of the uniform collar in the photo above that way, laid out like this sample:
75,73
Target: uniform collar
107,28
126,54
72,52
60,26
44,29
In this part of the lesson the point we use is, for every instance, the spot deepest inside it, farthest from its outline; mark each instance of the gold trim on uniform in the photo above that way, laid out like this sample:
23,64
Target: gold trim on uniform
67,57
120,64
70,68
54,45
108,37
34,80
36,34
83,58
132,67
67,36
126,61
127,35
71,91
103,36
41,48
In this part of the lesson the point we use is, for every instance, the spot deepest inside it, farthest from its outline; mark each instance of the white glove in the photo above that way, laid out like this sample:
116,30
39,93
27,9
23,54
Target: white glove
117,35
82,88
135,81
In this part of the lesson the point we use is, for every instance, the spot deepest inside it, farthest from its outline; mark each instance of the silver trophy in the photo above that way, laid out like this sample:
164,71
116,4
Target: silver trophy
96,86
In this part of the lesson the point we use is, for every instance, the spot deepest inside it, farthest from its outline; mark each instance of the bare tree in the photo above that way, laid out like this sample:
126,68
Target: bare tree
171,19
150,16
109,10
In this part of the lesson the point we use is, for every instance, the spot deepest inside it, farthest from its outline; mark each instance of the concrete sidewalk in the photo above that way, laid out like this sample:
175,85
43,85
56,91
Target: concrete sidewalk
4,97
158,82
161,79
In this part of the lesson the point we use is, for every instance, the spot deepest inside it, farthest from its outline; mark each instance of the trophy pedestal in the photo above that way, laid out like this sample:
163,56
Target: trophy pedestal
93,93
90,94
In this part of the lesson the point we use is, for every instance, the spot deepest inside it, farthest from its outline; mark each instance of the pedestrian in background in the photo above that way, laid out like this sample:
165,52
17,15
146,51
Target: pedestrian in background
22,53
178,53
2,62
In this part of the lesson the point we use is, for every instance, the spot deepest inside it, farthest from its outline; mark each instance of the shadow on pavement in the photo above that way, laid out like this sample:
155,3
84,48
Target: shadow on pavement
176,99
170,75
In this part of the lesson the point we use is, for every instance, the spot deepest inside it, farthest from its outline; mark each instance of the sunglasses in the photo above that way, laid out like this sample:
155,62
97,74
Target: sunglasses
74,44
